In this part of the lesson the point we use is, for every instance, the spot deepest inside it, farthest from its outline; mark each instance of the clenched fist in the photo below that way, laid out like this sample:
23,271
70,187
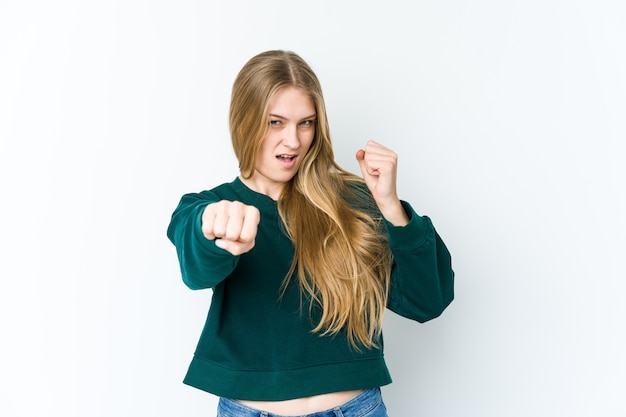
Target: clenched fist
379,168
232,224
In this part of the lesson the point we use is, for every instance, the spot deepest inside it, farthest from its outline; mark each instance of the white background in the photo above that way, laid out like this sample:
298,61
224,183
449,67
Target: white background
509,120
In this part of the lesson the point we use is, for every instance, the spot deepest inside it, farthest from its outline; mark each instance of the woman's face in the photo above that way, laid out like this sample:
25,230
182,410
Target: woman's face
290,131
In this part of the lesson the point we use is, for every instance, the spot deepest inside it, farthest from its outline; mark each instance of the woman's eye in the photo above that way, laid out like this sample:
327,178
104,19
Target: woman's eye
307,123
275,122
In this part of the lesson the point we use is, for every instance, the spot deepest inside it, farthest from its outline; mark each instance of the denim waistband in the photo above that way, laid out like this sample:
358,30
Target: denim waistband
357,406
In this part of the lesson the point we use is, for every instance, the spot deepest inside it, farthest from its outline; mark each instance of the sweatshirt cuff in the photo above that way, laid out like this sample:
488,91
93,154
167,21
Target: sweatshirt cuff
413,234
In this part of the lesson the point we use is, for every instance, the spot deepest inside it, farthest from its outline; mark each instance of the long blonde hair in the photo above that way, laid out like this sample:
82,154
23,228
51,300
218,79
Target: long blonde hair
342,259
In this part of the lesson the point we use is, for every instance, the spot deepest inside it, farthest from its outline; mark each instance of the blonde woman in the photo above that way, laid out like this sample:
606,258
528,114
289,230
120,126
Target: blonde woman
303,258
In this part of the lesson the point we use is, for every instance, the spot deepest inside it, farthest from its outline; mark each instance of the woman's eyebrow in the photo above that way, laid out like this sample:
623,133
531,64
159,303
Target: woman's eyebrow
312,116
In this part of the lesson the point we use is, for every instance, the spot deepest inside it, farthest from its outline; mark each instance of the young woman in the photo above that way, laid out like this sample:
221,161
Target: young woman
303,258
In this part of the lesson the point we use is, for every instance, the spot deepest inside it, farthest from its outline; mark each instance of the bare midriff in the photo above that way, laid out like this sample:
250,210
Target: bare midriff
305,405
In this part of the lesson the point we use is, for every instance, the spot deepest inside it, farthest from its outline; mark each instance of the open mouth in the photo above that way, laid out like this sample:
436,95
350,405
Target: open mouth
285,157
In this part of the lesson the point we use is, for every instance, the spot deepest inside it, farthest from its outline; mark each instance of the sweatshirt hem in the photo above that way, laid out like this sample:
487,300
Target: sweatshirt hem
278,385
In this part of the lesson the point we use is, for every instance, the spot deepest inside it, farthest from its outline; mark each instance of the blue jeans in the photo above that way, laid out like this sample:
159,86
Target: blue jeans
369,403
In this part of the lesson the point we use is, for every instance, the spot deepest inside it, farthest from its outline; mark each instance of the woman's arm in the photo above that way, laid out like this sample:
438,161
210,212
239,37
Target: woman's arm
202,263
422,279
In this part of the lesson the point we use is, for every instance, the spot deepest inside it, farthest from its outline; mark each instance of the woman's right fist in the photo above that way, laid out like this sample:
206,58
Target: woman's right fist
232,224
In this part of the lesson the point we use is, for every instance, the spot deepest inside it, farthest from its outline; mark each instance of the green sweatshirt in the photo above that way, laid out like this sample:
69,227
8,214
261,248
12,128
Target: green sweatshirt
257,345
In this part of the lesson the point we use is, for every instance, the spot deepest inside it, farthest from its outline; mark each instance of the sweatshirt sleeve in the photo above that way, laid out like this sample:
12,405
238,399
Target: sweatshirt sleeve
202,264
422,279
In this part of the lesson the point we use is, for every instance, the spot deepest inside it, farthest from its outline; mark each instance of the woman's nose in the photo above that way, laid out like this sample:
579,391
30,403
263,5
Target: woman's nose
291,138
